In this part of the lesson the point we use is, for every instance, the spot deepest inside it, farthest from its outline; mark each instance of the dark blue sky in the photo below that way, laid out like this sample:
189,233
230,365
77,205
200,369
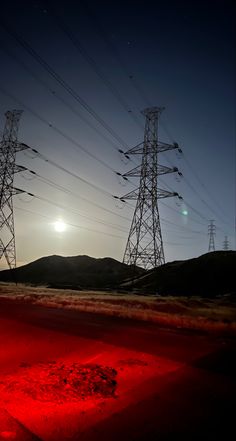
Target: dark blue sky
120,57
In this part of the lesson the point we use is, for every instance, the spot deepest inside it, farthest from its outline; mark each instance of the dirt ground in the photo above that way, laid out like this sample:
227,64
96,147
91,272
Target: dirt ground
35,362
68,376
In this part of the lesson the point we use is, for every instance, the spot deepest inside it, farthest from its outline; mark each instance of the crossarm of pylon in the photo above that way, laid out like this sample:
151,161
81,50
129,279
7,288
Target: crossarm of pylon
163,146
18,147
16,190
160,147
161,194
21,146
161,170
19,168
132,195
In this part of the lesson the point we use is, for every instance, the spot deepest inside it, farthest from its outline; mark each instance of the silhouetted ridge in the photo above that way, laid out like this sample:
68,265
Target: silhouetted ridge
74,271
209,275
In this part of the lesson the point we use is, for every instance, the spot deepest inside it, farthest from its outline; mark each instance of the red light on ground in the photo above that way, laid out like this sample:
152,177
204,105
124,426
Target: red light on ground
7,434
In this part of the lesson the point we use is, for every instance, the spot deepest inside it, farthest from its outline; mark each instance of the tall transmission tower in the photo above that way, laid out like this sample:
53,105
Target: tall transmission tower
226,244
145,245
211,233
9,146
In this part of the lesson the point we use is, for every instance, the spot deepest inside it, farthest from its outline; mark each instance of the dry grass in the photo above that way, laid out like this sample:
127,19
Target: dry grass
211,315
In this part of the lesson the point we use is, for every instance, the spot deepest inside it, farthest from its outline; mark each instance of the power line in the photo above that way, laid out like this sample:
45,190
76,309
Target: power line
180,213
59,131
199,196
51,162
69,192
64,207
68,138
203,201
181,226
71,224
115,54
62,82
202,185
131,207
63,168
202,216
84,216
82,226
39,59
190,206
77,44
58,97
74,175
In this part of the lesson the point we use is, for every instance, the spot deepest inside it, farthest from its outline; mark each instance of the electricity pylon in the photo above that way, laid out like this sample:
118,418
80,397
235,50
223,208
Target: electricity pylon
9,146
211,233
145,245
226,244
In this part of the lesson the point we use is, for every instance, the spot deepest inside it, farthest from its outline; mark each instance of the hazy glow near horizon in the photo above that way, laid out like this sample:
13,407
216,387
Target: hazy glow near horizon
59,226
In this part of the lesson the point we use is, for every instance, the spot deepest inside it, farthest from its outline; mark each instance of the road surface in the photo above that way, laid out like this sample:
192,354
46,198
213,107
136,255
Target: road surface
170,384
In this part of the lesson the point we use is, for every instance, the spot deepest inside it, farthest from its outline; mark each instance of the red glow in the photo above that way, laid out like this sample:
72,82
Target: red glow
7,434
39,368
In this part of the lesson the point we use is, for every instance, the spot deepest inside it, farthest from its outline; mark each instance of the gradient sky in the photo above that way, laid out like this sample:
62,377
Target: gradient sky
126,56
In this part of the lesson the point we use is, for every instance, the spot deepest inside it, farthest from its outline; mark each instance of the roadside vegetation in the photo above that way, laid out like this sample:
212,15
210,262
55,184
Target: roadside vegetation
216,315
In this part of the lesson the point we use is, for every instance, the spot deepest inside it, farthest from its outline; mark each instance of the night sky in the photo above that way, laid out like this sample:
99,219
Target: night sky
82,71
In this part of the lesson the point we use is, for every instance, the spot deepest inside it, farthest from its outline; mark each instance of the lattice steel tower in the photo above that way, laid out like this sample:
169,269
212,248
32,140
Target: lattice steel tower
211,233
145,246
9,146
226,244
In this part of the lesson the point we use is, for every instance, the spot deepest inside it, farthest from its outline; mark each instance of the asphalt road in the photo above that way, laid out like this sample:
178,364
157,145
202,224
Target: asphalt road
194,399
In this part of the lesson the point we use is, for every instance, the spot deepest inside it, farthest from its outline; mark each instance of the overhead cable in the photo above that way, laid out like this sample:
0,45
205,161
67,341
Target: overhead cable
22,42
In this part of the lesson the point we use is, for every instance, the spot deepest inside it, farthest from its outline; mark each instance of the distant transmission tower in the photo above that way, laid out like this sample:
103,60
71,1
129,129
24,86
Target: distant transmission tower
9,146
211,233
145,246
226,244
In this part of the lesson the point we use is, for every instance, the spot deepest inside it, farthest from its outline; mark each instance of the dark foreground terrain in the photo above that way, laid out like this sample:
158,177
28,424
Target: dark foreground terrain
167,385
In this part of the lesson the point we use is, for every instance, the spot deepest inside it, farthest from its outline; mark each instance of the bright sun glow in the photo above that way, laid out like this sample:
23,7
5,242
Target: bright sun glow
59,226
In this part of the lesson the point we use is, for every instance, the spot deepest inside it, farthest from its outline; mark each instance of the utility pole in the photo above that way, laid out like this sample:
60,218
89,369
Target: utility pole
145,245
226,244
211,233
9,146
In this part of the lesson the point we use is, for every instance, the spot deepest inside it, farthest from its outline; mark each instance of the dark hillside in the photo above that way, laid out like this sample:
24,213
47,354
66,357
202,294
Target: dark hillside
76,271
208,275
